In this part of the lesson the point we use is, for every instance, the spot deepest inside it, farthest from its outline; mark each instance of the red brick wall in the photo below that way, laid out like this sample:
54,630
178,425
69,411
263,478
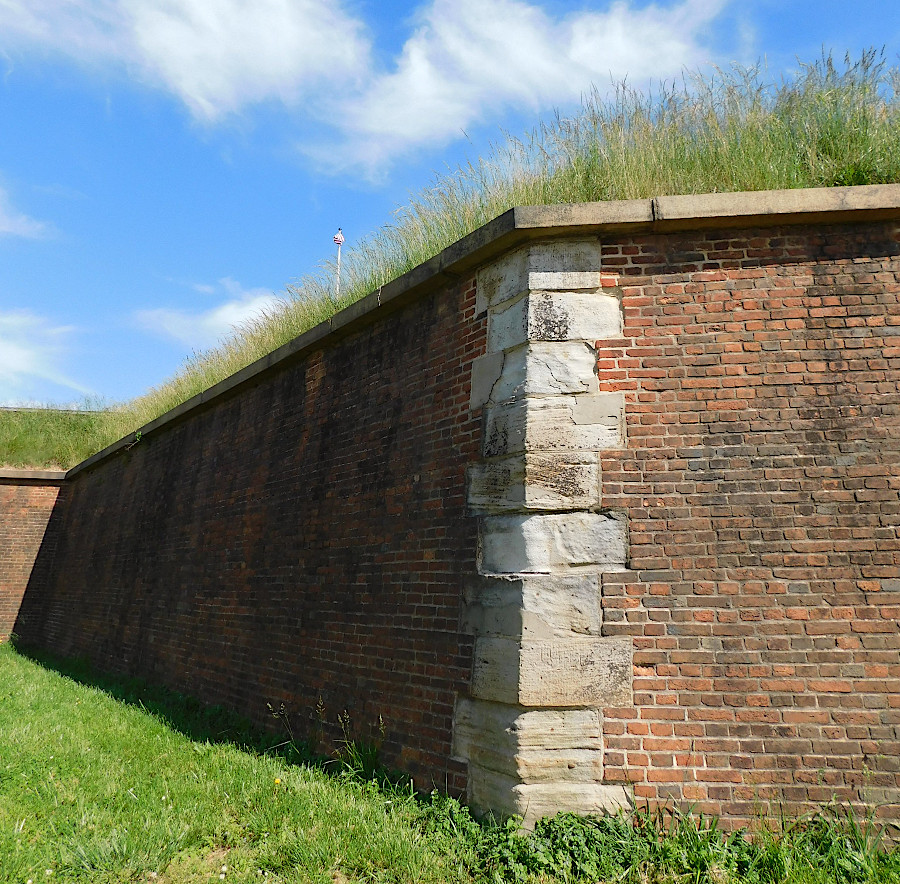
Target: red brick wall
25,508
306,537
761,480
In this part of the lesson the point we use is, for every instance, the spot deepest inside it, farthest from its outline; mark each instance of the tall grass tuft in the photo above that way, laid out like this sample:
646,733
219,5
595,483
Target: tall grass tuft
826,125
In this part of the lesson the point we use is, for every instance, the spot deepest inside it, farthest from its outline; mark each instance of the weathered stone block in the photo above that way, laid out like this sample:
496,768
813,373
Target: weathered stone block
564,280
590,421
486,371
508,277
535,481
548,543
546,369
501,794
556,316
511,729
558,672
534,607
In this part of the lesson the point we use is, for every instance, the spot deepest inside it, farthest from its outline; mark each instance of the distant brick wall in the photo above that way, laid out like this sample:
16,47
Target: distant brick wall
762,486
25,508
304,538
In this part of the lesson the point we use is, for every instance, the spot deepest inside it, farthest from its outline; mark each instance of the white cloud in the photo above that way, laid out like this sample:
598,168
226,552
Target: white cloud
465,60
31,354
14,223
202,329
219,55
216,55
468,59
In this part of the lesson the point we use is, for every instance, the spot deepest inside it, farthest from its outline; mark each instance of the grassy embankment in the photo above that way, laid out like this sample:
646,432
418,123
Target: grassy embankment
106,780
828,125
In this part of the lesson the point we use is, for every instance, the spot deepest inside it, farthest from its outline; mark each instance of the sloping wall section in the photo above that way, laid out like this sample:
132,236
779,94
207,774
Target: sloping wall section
601,502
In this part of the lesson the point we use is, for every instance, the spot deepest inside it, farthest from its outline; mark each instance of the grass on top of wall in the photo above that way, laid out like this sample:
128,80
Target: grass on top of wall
829,124
106,779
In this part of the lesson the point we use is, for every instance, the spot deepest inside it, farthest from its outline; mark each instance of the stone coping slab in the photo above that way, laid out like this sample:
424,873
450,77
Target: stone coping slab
519,225
11,475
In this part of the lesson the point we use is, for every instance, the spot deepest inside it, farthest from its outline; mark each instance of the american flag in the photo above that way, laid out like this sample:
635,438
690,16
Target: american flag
339,237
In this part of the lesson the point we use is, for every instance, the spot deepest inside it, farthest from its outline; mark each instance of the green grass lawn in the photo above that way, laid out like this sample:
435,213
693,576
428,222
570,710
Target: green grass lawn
96,789
109,780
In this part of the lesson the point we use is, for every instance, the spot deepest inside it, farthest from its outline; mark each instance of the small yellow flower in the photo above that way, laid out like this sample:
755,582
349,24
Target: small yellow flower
277,781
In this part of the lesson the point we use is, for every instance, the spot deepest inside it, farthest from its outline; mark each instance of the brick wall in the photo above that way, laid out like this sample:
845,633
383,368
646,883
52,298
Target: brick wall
307,534
25,508
761,370
305,537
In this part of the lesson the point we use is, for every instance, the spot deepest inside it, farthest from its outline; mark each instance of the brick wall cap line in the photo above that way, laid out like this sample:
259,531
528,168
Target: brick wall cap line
10,475
523,224
827,205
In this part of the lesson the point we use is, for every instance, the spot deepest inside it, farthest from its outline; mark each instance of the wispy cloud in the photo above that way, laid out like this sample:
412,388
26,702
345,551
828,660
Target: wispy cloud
32,352
202,329
14,223
464,60
217,56
467,60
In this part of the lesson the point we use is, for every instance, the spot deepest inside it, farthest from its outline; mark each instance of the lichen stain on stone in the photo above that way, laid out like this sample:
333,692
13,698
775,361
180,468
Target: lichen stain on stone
549,322
497,441
562,478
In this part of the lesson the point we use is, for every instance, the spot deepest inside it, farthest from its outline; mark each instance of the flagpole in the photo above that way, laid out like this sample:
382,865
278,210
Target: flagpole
339,240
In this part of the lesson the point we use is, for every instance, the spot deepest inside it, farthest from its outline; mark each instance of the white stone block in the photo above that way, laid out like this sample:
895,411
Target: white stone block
592,672
486,371
588,421
508,326
557,316
605,409
493,792
501,280
546,543
535,481
508,277
543,369
534,607
566,281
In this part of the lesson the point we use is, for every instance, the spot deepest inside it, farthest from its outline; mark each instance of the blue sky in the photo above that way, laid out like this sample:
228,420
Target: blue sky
168,166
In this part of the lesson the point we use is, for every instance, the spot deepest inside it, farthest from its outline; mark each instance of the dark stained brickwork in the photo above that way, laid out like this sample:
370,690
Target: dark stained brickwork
25,508
306,538
762,486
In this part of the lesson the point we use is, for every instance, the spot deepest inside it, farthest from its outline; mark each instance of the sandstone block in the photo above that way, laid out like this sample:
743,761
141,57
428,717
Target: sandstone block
556,316
503,795
511,729
548,543
535,480
589,421
534,607
558,672
508,277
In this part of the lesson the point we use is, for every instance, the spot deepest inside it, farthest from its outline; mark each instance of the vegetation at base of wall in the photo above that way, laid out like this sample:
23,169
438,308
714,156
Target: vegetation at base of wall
826,125
106,779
